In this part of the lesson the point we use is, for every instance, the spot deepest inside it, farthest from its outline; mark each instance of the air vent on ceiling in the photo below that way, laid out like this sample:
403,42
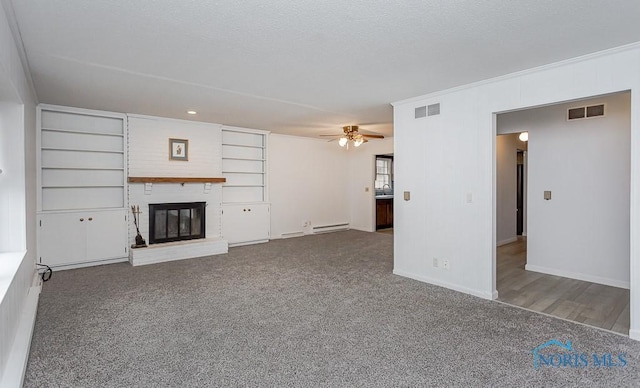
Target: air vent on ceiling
433,109
585,112
421,112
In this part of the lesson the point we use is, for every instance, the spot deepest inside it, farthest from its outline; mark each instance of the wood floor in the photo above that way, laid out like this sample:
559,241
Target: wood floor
590,303
386,231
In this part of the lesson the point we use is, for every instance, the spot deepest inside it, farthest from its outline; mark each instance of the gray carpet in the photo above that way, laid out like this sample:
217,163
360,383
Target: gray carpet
321,310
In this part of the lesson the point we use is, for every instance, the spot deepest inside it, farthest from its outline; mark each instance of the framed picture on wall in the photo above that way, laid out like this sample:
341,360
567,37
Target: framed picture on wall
178,149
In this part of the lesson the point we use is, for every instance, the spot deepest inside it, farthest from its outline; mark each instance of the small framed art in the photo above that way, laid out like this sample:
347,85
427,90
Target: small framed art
179,149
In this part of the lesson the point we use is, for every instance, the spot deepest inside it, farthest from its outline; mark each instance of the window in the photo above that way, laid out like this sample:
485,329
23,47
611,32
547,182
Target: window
384,174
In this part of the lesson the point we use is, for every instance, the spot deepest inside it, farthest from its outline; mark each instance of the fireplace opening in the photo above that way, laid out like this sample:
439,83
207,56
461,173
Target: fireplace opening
176,221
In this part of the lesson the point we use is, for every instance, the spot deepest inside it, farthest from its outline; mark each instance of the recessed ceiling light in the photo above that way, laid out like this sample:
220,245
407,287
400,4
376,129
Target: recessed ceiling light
192,112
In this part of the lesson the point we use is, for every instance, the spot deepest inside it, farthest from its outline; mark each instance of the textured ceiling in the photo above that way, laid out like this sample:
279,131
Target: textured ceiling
303,67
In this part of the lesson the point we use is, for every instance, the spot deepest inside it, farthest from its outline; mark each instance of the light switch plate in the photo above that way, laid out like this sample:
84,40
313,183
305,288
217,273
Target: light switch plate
407,195
547,195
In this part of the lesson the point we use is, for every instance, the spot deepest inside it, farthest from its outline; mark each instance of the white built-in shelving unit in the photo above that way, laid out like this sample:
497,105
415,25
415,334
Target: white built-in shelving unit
81,186
245,203
244,159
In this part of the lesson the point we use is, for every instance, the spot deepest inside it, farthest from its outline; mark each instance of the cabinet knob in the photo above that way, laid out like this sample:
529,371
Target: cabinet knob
249,210
244,210
82,219
90,218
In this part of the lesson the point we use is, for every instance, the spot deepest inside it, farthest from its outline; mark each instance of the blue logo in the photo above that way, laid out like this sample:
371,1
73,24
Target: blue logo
568,357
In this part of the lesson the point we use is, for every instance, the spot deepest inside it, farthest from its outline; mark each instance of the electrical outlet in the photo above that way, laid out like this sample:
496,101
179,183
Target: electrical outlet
445,264
435,262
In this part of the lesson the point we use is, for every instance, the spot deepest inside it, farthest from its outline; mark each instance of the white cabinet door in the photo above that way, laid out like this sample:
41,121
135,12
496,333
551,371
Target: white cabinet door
62,239
246,223
106,234
82,237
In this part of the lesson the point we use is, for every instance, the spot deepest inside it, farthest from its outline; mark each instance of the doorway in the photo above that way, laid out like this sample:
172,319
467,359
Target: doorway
383,185
520,190
570,189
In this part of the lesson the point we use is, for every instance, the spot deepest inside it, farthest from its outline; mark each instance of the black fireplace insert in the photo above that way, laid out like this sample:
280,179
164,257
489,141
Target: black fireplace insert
176,221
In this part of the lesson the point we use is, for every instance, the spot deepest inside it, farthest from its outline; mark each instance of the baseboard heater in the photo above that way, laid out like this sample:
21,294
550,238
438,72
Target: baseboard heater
330,228
292,234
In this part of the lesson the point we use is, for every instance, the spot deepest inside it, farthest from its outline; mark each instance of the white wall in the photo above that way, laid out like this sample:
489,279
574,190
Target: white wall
583,231
506,179
149,147
12,178
18,299
362,174
308,181
448,159
148,156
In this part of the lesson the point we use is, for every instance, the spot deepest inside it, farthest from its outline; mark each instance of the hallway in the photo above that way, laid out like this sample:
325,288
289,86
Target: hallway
593,304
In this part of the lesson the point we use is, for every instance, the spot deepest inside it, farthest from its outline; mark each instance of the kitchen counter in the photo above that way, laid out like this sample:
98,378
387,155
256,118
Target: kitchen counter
384,196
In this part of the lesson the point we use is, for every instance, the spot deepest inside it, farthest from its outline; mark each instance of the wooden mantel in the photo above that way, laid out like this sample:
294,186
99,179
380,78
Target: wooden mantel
147,179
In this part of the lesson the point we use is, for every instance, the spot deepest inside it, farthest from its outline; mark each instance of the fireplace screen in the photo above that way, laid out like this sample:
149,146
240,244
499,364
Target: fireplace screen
176,221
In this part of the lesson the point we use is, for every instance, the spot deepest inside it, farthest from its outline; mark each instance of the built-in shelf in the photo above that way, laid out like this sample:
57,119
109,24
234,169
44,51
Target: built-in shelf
243,185
81,150
244,164
82,132
80,186
141,179
83,168
252,159
244,172
242,145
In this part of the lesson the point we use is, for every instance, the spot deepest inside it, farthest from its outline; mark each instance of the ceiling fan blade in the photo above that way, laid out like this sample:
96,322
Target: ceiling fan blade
332,135
373,136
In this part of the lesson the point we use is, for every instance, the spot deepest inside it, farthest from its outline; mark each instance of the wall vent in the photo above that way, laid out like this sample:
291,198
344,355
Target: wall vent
595,110
585,112
421,112
433,109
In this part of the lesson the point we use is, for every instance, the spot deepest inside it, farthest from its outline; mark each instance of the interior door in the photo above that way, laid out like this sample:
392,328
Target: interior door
520,194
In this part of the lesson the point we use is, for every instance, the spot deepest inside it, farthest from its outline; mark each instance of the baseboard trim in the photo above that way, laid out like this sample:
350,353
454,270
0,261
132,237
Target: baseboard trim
439,283
244,243
88,264
507,241
16,366
578,276
634,334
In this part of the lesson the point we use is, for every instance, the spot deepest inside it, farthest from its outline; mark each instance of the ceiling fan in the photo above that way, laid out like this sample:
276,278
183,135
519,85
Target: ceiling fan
351,134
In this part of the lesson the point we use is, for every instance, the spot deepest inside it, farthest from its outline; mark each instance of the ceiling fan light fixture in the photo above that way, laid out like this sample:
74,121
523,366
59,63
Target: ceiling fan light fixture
343,141
358,140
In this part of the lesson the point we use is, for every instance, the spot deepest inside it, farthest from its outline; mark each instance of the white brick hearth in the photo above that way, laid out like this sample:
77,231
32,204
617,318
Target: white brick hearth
159,253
